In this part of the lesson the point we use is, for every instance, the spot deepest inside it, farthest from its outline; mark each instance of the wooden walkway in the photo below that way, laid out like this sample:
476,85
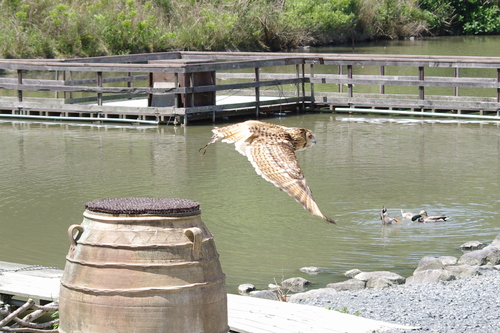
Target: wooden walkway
245,314
184,86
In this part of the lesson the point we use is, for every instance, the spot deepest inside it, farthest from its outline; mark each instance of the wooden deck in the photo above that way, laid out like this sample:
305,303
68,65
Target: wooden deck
245,314
19,282
183,86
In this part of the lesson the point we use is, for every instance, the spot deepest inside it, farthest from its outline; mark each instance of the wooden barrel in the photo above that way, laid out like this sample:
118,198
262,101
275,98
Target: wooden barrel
142,265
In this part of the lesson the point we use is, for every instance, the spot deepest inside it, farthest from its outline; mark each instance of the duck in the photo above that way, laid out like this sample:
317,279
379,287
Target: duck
407,215
386,219
423,217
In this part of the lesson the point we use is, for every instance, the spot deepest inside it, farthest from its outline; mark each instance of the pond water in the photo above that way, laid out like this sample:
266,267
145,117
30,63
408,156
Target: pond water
360,163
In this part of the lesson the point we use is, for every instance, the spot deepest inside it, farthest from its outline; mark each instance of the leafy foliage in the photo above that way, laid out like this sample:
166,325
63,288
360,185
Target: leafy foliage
68,28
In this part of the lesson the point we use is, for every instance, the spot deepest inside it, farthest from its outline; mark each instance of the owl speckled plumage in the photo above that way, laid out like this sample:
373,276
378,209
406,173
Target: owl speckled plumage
271,150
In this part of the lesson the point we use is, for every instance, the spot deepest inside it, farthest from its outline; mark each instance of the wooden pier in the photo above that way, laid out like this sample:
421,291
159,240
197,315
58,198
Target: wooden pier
245,314
180,87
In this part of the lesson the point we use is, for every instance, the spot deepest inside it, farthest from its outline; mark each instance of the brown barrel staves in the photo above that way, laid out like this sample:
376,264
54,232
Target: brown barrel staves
142,265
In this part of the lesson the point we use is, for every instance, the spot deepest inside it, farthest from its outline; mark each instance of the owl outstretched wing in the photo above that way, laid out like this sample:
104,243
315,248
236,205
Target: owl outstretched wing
276,162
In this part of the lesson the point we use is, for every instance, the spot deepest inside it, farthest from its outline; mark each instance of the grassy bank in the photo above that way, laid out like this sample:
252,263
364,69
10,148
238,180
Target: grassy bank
68,28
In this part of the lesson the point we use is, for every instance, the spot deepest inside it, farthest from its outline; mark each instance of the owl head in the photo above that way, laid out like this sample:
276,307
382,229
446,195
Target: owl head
305,139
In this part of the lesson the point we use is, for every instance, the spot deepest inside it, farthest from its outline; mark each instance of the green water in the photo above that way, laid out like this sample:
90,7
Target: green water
49,171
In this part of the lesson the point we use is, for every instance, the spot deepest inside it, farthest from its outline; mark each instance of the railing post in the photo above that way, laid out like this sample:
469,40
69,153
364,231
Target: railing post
257,92
312,86
457,75
64,79
191,84
382,72
421,78
297,75
20,82
340,74
303,85
178,97
498,89
99,84
129,83
349,75
150,85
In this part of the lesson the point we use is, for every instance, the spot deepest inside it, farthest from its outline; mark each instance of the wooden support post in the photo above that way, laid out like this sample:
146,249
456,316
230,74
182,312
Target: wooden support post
421,78
150,85
99,84
349,75
64,79
498,89
382,72
71,76
457,75
257,92
19,81
129,83
178,97
297,75
312,86
340,73
303,86
191,85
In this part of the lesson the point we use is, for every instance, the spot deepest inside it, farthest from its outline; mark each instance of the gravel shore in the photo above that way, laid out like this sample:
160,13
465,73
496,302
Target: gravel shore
464,305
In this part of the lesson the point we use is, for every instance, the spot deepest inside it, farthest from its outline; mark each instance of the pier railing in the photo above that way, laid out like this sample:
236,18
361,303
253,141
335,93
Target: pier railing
177,86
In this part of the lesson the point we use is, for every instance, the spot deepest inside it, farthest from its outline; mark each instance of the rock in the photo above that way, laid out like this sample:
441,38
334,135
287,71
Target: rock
472,246
493,257
393,278
352,284
463,270
265,294
496,241
312,294
474,258
380,283
429,263
448,260
430,276
311,270
352,273
245,288
272,286
295,284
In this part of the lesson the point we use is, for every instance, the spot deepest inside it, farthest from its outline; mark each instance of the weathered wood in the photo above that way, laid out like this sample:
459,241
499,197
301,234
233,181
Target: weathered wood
225,65
249,314
38,283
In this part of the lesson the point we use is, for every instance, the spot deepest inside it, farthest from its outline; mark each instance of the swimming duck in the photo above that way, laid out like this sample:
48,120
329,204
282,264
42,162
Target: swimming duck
407,215
384,216
422,217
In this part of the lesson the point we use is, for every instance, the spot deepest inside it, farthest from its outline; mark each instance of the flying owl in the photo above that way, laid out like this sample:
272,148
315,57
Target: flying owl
271,150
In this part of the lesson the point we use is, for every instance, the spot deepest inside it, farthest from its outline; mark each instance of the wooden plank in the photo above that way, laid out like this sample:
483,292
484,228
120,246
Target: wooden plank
24,281
418,113
249,314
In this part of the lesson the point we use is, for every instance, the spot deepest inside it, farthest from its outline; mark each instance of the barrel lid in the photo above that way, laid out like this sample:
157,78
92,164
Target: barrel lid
144,206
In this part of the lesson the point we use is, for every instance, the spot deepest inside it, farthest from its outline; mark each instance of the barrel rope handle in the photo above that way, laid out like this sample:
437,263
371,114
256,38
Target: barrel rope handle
71,236
195,235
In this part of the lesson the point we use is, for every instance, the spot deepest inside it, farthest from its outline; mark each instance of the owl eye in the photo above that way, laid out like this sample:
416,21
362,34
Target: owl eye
310,136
